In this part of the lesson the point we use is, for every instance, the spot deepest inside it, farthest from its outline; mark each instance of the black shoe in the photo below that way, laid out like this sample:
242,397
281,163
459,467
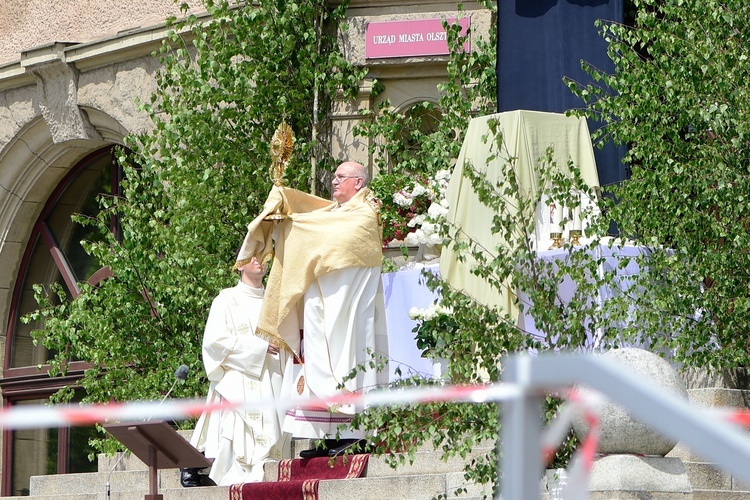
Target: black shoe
354,447
190,478
321,450
206,481
313,453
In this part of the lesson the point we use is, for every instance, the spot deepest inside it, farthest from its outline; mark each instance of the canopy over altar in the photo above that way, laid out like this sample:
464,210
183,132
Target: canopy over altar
526,135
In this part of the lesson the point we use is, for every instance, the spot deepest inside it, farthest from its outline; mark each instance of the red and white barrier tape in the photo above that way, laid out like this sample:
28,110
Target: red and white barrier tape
587,403
40,416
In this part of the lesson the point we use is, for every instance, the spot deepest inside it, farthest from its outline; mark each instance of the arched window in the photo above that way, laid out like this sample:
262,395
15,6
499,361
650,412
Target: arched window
421,120
408,150
53,254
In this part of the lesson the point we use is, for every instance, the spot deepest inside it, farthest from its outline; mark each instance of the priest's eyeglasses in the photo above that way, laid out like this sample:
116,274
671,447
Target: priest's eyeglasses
342,178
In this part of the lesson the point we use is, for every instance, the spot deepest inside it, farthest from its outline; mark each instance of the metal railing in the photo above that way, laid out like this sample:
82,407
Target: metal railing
521,466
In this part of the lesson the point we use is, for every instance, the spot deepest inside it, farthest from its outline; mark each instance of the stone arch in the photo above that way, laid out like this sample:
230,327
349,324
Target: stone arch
408,103
111,130
31,167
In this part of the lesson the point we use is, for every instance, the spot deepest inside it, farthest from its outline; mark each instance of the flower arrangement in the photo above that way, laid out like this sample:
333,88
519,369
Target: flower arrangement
433,323
427,225
413,208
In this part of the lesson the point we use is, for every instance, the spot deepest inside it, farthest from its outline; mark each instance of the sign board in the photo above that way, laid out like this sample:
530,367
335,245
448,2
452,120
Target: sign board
419,37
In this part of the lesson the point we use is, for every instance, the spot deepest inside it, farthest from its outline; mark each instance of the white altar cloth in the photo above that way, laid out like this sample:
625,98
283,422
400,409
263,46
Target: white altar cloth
611,258
404,290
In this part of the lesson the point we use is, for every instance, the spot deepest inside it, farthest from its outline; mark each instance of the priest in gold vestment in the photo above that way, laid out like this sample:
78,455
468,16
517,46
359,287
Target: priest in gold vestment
324,303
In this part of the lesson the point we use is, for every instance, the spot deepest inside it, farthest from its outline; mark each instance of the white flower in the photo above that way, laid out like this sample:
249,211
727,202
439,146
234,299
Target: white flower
428,228
402,200
445,310
412,239
442,175
434,239
436,210
429,312
417,220
420,190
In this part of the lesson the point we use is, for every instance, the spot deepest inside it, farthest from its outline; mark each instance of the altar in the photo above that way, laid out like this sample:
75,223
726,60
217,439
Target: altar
617,259
403,290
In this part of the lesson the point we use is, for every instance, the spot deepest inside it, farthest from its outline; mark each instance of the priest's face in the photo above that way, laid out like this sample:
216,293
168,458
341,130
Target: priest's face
347,181
253,270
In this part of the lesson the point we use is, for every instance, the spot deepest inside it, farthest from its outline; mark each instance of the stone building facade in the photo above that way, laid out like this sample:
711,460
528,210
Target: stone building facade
71,73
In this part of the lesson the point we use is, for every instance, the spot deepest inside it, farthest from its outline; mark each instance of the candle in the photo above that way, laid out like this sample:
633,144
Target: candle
577,218
555,217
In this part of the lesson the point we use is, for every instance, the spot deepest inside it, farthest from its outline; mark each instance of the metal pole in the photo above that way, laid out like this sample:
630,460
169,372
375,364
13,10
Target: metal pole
519,451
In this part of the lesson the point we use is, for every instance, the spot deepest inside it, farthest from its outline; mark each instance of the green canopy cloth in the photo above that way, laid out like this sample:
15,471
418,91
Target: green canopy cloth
526,135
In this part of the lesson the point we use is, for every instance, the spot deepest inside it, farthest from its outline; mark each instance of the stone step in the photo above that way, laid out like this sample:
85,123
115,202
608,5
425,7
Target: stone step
417,487
720,495
130,474
132,485
640,495
705,476
208,493
96,482
404,487
426,460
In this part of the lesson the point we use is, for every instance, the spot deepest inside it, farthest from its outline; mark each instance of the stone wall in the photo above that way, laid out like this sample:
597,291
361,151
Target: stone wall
25,24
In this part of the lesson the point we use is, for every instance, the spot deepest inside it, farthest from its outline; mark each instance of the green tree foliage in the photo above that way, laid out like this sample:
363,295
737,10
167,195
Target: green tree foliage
190,187
679,100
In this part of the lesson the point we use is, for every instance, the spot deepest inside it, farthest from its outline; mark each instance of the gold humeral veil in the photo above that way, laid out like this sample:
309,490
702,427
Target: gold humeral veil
313,237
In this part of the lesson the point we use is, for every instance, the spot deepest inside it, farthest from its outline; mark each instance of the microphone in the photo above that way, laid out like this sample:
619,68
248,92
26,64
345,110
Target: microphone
180,375
181,372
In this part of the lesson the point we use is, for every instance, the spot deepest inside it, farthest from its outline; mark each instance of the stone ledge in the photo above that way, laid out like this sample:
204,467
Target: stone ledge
698,378
615,474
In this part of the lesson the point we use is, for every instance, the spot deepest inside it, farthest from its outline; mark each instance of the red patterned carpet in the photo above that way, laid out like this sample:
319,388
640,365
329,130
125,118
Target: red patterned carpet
298,479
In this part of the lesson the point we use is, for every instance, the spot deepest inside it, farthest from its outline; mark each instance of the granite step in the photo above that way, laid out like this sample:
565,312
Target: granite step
720,495
406,487
427,477
705,476
397,487
425,463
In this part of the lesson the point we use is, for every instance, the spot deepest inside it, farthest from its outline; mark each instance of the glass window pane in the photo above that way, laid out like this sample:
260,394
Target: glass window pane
41,269
34,454
80,198
79,449
78,446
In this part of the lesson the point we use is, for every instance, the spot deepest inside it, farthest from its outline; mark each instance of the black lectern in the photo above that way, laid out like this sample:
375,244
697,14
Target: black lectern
159,446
